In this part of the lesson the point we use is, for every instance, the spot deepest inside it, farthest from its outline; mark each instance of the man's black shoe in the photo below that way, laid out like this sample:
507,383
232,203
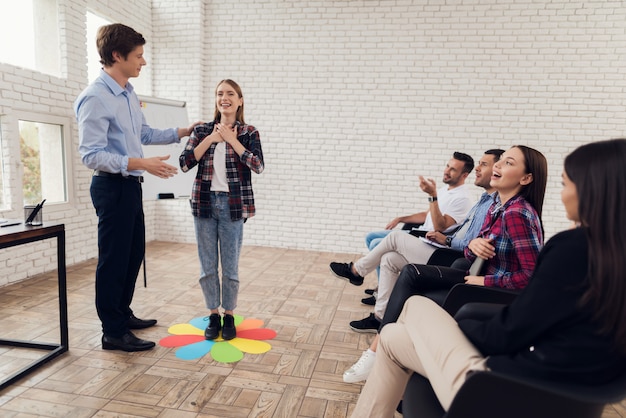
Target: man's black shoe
370,291
371,301
344,271
136,323
228,330
127,342
213,329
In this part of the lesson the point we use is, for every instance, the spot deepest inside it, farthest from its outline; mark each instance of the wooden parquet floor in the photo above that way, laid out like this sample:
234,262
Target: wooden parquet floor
292,291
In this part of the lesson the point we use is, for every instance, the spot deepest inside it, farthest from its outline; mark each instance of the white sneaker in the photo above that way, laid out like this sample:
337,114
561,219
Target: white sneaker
361,369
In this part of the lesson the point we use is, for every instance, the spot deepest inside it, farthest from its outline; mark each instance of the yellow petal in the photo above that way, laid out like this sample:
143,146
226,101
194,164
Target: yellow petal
185,329
251,346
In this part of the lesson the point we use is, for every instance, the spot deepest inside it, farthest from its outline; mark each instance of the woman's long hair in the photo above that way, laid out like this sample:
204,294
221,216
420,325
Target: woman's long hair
599,172
217,115
537,165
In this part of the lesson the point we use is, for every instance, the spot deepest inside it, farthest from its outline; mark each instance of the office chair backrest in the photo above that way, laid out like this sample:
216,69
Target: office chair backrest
493,395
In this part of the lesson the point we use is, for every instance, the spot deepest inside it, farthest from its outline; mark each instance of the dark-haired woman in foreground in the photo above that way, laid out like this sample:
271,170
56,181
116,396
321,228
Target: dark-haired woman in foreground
568,324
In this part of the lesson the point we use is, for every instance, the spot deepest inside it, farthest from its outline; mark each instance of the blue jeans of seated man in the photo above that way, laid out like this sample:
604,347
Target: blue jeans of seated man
372,239
219,239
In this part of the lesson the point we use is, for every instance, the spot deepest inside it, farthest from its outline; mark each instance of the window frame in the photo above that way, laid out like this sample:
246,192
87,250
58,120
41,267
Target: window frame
65,123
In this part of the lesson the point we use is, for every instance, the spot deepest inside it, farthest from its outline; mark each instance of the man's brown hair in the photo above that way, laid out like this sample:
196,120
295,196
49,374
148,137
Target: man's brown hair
116,38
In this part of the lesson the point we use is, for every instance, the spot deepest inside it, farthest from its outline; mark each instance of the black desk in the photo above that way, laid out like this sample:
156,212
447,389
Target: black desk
21,234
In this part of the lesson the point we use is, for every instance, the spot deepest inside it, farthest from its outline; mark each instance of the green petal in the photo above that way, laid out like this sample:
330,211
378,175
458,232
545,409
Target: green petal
225,352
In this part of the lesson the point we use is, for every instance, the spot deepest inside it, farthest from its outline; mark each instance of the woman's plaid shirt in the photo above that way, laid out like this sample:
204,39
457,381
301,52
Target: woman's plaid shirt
516,230
238,171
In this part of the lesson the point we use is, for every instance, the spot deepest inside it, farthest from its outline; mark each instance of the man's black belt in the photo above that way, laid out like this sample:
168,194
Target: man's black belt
98,173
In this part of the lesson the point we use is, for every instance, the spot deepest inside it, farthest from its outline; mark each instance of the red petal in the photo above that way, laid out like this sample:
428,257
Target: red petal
257,334
180,340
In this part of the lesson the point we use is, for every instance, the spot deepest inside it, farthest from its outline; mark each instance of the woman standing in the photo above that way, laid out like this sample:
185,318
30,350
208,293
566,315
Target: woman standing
567,325
227,151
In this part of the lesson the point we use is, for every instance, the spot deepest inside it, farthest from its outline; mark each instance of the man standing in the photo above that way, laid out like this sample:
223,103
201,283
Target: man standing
448,206
111,129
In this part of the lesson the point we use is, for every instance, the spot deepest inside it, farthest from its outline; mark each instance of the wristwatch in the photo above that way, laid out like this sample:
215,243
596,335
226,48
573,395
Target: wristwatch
432,199
449,241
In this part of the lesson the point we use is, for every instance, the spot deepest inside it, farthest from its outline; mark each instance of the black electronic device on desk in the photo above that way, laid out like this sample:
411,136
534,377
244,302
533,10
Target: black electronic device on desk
4,223
33,214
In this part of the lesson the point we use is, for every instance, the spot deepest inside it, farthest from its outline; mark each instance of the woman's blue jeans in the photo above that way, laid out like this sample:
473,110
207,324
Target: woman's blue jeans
219,238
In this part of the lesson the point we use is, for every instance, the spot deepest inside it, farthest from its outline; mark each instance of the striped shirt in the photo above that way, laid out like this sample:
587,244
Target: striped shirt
472,225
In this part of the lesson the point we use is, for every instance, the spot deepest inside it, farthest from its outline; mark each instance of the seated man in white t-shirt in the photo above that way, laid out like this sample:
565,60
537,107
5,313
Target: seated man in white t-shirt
448,206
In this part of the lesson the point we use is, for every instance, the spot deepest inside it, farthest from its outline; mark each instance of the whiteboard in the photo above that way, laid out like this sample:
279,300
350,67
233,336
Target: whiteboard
163,114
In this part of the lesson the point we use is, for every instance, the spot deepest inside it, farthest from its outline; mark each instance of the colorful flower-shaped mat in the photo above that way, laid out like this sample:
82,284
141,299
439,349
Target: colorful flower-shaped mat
192,345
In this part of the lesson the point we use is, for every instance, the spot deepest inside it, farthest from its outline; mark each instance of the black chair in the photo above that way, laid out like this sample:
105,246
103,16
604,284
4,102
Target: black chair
410,226
443,257
462,294
494,395
452,300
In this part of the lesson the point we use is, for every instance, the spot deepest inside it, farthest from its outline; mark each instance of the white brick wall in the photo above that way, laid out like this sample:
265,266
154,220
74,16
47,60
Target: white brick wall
353,100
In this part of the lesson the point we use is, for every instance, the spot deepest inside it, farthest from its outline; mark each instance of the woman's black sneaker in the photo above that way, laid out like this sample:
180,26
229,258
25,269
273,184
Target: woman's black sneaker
228,329
213,329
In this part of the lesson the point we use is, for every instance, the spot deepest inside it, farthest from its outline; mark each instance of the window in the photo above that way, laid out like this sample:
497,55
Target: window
44,158
2,188
33,30
93,59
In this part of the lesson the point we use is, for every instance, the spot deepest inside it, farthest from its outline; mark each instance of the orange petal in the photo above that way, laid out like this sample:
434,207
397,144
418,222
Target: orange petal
249,323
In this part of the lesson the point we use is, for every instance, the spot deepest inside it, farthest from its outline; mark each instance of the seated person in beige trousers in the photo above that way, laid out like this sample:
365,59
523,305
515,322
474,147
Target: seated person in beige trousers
448,206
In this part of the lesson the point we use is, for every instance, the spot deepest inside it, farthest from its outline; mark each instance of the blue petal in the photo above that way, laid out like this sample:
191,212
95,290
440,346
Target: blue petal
200,322
195,351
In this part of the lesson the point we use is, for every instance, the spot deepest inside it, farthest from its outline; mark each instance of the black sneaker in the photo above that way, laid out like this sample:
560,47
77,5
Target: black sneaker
344,271
228,330
369,324
370,291
213,329
371,301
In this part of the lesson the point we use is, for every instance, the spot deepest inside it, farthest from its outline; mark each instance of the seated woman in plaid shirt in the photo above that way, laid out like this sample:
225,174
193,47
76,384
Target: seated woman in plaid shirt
226,152
509,243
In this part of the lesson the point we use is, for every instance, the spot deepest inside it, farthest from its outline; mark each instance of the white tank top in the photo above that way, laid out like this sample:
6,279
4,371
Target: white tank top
219,182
